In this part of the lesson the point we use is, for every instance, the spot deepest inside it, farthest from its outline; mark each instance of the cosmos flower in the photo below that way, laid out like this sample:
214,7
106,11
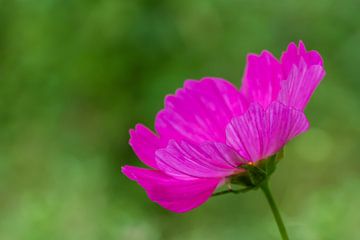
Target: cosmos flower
209,129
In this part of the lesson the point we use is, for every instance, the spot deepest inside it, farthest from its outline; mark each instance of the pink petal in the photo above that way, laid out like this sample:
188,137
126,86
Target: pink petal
200,111
260,133
302,70
248,134
173,194
291,81
294,54
301,83
185,160
144,143
284,124
261,82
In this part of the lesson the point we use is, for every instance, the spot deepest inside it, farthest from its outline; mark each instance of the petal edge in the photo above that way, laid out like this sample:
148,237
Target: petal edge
173,194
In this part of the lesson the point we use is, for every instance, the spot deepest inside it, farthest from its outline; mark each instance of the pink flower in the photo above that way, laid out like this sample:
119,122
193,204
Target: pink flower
209,128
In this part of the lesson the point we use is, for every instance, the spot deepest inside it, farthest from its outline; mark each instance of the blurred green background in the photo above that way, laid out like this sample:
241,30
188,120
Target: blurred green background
75,76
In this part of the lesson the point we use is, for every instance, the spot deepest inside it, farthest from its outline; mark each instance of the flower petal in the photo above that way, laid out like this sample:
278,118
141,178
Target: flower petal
301,83
291,81
144,143
261,82
284,124
200,111
260,133
185,160
173,194
248,134
294,54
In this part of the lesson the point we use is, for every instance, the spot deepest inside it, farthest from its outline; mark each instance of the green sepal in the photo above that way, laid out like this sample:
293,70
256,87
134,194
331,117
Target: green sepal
241,179
280,155
258,172
255,174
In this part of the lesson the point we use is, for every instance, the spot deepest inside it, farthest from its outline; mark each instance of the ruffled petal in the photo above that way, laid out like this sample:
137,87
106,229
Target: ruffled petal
145,143
184,160
261,81
291,81
173,194
301,83
260,133
200,111
294,54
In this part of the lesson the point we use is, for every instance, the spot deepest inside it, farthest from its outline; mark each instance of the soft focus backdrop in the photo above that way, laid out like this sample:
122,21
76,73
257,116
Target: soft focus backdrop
76,75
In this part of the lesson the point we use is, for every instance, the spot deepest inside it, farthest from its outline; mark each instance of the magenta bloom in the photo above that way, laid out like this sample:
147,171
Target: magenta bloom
209,128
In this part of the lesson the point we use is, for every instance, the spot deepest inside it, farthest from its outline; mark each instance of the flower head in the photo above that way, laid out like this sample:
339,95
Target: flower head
209,129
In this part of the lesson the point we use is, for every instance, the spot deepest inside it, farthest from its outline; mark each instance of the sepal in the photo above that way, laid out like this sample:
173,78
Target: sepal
257,173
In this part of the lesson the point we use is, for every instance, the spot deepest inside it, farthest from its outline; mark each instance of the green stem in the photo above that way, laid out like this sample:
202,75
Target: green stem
231,191
265,188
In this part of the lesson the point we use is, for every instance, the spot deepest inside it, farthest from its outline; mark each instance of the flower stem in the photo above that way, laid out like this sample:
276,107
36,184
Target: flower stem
265,188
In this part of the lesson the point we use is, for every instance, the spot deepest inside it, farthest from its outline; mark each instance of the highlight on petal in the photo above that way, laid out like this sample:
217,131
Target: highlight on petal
200,110
173,194
184,160
145,143
291,81
260,133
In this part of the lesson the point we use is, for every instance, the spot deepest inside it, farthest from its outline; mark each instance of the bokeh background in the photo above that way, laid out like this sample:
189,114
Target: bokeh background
75,76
